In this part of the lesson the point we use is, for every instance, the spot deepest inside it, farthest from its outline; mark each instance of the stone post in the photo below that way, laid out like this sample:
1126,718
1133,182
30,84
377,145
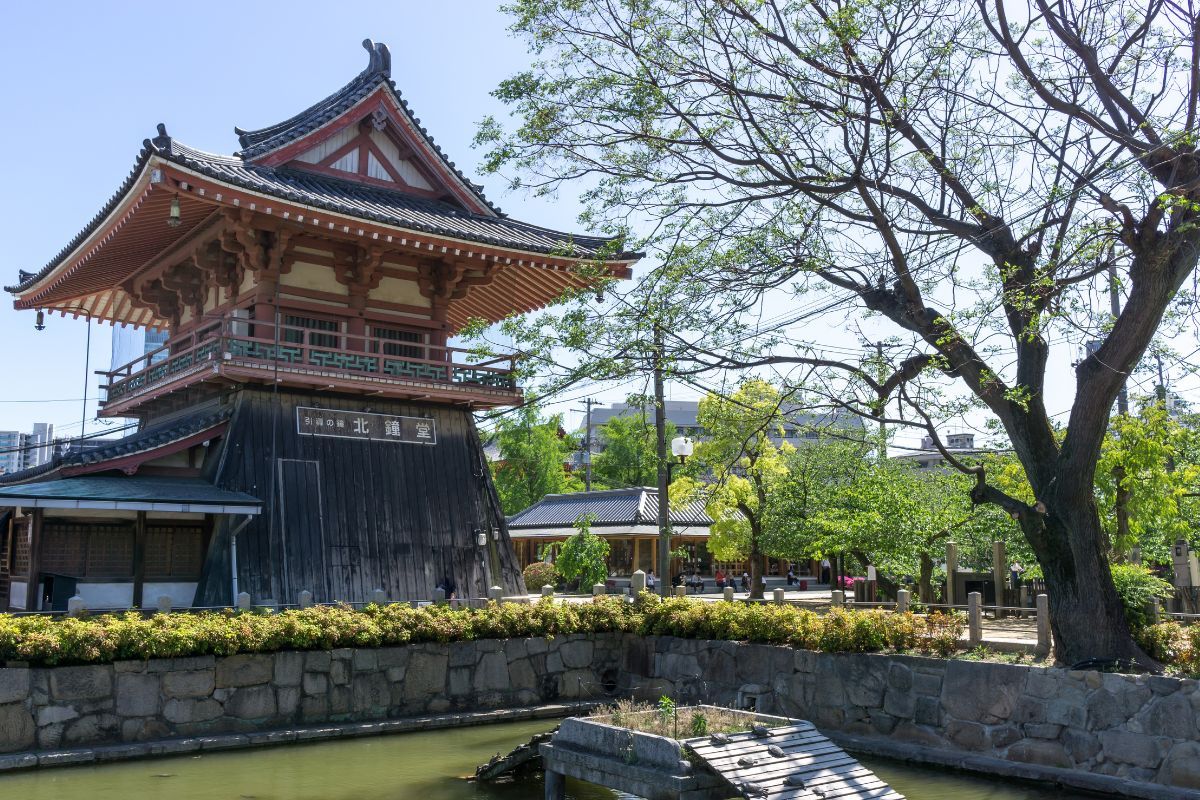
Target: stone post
556,786
305,599
975,618
547,591
777,596
637,583
1155,610
681,591
243,601
164,604
1043,624
75,606
728,594
951,570
1024,600
598,590
496,594
902,601
837,598
379,597
439,596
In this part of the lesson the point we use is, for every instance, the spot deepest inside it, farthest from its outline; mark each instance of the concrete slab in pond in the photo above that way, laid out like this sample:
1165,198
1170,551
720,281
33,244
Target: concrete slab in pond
780,759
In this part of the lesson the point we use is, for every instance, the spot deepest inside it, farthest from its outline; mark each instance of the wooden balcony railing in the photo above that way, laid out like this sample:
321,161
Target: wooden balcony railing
250,344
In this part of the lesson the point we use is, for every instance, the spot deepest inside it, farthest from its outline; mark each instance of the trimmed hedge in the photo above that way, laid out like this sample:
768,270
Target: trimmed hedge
48,641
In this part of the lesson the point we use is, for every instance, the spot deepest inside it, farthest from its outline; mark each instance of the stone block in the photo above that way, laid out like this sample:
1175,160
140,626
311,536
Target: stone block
1039,751
288,700
365,660
521,675
1080,745
315,683
982,691
14,684
341,700
577,654
182,711
492,673
192,683
678,667
251,669
515,649
927,684
1181,767
1131,748
426,676
251,702
900,702
1042,730
1171,715
392,657
137,695
459,682
1002,736
967,735
317,661
537,646
928,711
81,683
864,683
91,728
1043,683
52,715
339,672
314,708
289,667
371,692
16,728
899,677
144,730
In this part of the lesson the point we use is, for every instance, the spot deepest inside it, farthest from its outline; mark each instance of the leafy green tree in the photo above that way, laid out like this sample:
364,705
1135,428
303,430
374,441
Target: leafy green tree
533,458
628,458
746,468
870,151
584,556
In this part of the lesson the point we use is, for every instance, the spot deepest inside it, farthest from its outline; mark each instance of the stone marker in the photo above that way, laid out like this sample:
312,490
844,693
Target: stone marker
547,591
728,594
164,604
1043,624
243,601
777,596
902,600
598,590
975,618
637,582
681,591
305,599
75,606
439,596
379,597
837,598
496,593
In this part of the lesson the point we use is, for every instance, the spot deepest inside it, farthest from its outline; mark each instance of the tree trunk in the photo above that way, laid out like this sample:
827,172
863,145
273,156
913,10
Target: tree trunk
1087,616
925,579
756,569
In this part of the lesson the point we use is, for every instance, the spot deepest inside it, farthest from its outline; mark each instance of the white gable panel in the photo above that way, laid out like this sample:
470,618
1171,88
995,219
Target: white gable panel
375,169
348,162
326,148
404,168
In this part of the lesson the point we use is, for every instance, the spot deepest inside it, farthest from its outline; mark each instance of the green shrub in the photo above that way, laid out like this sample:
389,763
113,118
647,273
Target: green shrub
584,556
1137,586
539,574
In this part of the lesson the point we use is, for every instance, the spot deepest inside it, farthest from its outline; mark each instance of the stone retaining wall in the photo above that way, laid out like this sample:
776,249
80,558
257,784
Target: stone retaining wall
1111,732
135,701
1131,730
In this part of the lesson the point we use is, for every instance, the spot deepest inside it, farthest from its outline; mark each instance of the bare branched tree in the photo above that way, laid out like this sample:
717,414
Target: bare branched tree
964,169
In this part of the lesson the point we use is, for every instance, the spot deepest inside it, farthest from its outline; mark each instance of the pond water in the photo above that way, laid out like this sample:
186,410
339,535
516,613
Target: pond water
410,766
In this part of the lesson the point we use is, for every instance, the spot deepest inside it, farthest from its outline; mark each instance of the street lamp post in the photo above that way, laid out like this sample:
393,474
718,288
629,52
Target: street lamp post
87,359
681,448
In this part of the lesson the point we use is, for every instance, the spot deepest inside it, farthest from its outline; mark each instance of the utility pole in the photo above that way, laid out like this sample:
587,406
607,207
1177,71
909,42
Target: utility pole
660,447
1114,299
587,448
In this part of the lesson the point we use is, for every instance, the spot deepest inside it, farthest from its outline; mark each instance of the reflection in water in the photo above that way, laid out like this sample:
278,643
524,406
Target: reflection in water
414,766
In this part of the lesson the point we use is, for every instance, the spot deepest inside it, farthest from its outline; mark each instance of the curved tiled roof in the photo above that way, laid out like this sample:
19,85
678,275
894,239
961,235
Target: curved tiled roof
151,438
637,506
378,73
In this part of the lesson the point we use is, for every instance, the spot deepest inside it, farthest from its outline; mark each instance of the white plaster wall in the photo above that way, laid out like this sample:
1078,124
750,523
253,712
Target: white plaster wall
106,595
16,595
181,594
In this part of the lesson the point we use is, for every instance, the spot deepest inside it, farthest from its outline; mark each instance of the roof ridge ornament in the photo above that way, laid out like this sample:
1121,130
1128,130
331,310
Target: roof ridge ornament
381,58
160,143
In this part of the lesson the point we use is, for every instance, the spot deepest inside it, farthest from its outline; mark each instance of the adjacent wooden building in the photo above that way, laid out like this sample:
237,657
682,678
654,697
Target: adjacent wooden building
306,426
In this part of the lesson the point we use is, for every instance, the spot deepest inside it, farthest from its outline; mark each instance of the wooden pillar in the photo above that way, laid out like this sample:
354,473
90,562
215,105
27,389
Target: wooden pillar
951,571
637,553
139,557
35,559
654,548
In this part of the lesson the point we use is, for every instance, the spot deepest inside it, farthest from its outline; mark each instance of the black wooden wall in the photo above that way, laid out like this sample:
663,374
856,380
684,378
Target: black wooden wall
343,517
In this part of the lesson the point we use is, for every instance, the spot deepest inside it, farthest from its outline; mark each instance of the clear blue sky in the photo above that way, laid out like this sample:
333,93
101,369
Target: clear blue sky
84,83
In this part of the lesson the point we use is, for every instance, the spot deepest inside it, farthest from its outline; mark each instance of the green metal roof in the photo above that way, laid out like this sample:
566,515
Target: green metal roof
130,494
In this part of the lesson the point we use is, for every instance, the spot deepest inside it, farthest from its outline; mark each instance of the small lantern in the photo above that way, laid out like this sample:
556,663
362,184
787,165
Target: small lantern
173,217
682,447
480,538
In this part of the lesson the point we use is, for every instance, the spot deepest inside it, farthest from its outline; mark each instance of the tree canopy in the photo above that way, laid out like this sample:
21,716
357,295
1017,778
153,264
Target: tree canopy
533,457
965,170
628,457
